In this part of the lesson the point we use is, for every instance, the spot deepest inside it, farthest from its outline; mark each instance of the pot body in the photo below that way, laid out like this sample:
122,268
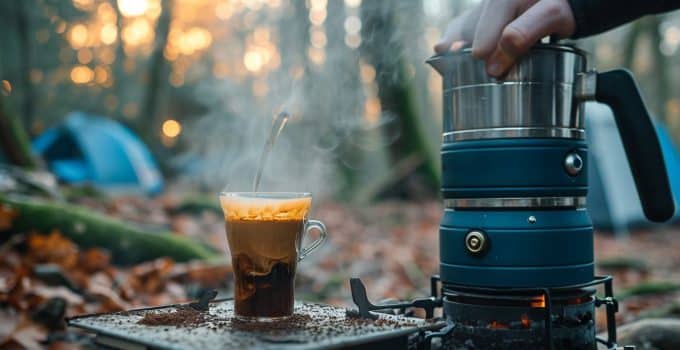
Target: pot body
514,173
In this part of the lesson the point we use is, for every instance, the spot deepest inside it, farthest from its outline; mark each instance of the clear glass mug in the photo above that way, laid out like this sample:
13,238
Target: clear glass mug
265,232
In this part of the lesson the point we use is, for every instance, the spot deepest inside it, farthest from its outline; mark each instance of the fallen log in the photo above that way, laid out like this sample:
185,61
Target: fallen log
127,243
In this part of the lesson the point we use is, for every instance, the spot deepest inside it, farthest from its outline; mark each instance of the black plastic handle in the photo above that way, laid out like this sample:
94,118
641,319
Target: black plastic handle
617,88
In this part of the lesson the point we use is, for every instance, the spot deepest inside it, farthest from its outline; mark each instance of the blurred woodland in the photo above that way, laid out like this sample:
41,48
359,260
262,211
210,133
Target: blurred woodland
198,81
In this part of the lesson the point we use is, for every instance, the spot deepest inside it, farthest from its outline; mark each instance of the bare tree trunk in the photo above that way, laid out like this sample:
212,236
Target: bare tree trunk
119,63
23,20
663,84
660,94
147,121
631,44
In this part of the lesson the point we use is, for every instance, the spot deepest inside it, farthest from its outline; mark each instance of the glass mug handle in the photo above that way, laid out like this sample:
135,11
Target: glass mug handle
313,224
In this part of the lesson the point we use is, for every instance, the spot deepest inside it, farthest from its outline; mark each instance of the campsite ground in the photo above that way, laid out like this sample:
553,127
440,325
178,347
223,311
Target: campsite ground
392,246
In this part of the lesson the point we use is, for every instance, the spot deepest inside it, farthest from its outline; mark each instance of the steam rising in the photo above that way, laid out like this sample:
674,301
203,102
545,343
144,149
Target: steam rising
329,137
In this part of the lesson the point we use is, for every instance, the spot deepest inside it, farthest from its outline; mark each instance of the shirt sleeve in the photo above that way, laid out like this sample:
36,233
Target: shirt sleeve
596,16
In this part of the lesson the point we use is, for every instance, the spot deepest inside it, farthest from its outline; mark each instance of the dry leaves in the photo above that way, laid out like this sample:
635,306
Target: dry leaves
392,246
44,278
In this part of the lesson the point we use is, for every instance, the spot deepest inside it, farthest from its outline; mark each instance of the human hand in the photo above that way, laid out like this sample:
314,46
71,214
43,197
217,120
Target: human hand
501,31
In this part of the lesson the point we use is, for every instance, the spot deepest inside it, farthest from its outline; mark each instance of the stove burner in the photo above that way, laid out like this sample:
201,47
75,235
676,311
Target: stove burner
510,318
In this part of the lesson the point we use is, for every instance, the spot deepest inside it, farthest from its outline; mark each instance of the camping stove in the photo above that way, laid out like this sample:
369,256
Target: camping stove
509,318
516,241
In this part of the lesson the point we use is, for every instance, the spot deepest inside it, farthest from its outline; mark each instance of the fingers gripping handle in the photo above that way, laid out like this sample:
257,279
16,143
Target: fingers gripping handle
311,225
617,89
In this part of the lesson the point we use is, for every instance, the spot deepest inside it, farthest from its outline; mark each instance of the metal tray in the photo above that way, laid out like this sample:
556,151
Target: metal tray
327,327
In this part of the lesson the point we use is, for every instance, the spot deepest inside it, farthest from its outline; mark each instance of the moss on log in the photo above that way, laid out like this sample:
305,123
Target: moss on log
128,244
648,288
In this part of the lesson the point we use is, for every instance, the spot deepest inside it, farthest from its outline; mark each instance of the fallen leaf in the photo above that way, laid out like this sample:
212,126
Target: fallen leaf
110,301
94,259
52,248
7,216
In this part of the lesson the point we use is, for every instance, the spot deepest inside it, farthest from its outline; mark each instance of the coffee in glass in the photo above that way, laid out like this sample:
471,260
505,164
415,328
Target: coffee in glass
264,233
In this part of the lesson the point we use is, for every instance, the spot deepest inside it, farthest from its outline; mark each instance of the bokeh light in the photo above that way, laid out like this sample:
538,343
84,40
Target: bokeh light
131,8
171,128
78,36
352,3
82,74
108,33
6,87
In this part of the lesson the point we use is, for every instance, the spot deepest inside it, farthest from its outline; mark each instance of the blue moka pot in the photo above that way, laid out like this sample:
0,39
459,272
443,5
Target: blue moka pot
514,167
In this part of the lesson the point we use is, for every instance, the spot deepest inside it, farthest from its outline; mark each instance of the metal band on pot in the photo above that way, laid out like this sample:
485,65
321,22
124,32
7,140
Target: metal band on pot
513,132
529,202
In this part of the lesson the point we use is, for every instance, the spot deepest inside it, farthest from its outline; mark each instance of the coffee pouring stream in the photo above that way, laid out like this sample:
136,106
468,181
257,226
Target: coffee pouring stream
514,166
279,123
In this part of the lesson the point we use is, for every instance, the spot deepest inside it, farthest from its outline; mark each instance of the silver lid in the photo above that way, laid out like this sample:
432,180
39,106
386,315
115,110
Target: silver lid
535,99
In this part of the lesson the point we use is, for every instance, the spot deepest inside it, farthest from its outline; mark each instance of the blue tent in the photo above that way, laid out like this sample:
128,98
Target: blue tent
100,151
613,202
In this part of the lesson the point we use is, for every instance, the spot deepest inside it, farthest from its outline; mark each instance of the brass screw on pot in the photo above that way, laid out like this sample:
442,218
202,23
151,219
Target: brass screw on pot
475,241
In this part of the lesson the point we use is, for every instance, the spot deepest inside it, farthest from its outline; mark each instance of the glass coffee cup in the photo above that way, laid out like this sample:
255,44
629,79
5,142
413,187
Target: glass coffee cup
265,231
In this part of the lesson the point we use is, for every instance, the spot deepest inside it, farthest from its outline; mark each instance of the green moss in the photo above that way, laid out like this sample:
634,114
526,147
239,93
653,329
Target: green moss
648,288
128,244
622,263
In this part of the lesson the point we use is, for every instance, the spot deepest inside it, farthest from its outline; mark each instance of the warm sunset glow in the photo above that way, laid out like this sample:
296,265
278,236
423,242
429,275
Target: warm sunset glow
81,74
108,33
84,56
131,8
353,40
367,73
106,55
101,75
372,110
106,12
318,56
317,16
78,36
253,61
83,4
176,79
318,39
171,128
261,35
224,10
352,3
195,39
6,87
138,32
318,3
